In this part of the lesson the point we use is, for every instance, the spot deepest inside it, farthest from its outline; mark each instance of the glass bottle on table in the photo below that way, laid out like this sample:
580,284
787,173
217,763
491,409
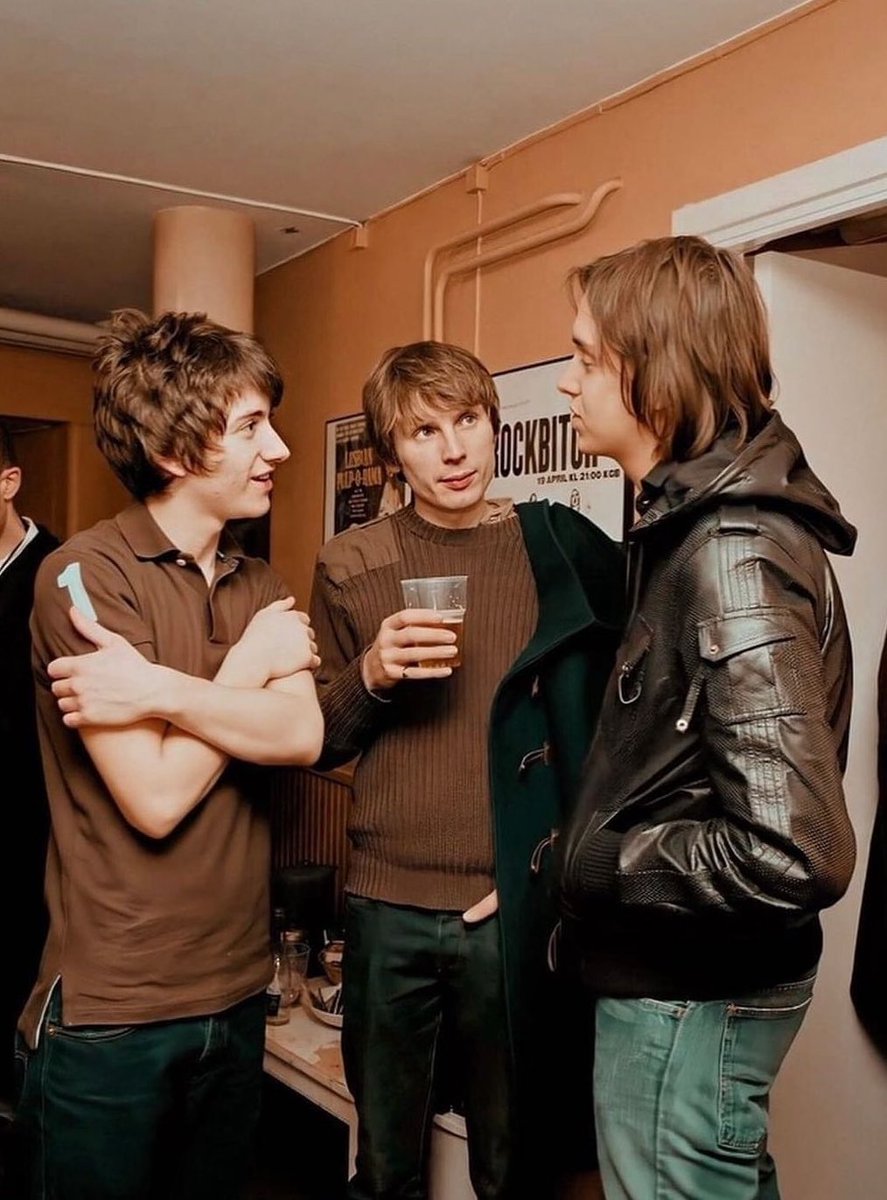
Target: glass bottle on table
276,1012
278,925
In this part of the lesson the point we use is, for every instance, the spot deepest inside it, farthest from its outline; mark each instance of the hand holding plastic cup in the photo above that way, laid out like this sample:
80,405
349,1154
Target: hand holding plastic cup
447,595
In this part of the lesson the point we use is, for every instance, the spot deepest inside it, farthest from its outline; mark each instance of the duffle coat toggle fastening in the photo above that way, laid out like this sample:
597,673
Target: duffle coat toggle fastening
542,754
545,844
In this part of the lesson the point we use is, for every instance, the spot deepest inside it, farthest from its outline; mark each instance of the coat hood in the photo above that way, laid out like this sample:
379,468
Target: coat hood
770,471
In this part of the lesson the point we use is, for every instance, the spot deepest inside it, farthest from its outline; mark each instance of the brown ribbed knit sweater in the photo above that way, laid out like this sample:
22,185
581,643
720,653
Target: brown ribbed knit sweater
421,827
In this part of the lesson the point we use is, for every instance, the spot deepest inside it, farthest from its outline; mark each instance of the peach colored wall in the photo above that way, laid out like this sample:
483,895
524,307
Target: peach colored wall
35,383
93,489
801,92
58,387
42,452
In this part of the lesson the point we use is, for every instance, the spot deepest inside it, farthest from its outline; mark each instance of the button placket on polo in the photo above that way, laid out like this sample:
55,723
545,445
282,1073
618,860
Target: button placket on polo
218,625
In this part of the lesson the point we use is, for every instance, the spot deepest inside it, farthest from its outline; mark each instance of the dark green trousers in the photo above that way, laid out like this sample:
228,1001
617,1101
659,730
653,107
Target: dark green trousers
164,1111
421,986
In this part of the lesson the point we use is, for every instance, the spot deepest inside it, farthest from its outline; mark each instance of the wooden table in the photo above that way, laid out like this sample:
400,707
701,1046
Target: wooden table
306,1055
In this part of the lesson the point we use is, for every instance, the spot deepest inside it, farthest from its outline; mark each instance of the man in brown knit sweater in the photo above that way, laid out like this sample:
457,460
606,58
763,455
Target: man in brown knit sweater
455,798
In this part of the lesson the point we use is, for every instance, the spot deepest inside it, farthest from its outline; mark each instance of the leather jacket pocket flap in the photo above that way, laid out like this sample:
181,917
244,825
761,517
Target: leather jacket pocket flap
722,637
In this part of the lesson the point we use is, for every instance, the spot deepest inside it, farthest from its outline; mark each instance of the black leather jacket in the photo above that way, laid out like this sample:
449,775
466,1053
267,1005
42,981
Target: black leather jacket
712,827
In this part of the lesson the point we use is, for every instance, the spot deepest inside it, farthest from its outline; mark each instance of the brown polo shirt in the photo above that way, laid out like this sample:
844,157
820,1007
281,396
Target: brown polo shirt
143,929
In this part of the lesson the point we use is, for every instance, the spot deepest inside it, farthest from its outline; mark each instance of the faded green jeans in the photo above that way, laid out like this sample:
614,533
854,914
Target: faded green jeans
682,1091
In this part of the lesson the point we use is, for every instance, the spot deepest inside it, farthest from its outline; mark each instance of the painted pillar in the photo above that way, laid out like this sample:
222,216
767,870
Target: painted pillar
205,261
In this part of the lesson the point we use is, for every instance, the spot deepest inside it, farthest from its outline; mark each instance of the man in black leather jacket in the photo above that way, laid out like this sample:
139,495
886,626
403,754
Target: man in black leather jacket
711,828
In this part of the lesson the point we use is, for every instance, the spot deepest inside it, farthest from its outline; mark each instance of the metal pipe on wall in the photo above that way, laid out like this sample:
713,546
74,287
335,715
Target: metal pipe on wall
494,225
531,242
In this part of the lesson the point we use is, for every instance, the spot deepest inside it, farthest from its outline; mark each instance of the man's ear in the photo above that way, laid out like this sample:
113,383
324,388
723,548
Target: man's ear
10,482
394,472
172,467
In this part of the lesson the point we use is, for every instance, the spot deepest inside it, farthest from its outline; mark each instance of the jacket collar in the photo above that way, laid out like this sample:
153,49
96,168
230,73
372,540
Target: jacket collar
564,605
769,471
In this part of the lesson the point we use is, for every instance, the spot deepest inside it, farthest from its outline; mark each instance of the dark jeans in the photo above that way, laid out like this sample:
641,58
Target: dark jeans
417,982
164,1111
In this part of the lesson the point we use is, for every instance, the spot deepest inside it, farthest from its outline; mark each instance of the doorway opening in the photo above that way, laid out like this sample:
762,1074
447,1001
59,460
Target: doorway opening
42,450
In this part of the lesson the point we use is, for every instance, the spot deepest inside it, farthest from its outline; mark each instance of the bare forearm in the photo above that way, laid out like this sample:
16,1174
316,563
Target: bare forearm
239,713
268,725
155,773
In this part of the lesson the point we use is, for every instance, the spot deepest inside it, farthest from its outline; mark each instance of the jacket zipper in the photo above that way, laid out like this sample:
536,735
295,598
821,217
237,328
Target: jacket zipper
682,724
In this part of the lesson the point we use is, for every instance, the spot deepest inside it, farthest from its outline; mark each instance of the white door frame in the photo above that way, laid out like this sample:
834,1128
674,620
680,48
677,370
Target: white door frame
841,186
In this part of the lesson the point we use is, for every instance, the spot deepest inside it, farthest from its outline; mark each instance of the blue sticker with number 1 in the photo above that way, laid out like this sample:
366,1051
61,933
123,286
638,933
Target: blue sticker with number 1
71,579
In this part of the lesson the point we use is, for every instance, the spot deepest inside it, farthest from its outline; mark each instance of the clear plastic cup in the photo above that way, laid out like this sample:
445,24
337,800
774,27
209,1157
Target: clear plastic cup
447,595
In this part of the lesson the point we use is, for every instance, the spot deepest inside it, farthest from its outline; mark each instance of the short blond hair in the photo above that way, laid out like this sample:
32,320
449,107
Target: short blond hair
687,322
433,373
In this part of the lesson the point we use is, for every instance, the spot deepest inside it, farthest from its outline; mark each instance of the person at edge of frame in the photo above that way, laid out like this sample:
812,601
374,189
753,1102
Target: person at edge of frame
142,1041
711,827
869,974
23,546
463,780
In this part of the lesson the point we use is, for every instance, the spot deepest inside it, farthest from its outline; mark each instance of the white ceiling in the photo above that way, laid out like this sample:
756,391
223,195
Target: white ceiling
337,106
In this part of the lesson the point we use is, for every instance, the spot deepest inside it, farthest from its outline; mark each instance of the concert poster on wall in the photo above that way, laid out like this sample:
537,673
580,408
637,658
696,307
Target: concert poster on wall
357,488
537,456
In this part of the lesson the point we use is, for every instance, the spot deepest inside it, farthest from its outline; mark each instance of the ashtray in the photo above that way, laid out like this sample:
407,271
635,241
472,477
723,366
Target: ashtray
324,1003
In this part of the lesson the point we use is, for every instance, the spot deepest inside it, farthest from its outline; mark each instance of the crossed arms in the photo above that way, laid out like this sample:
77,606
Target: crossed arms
160,739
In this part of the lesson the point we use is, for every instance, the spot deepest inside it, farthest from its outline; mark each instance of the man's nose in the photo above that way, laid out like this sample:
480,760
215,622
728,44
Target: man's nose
567,383
452,446
275,449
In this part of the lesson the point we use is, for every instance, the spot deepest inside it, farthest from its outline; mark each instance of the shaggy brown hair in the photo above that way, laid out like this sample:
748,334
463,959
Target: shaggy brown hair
164,388
687,324
433,373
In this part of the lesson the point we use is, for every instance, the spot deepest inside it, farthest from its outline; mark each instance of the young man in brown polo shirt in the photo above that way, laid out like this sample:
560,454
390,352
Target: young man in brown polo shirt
463,779
142,1040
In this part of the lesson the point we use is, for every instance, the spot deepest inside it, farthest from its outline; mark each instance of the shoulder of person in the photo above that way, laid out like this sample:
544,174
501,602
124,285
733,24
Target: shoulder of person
92,572
724,547
45,541
360,550
90,546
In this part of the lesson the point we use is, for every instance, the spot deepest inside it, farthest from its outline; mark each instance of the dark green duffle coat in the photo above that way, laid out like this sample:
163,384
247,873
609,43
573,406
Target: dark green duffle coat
542,720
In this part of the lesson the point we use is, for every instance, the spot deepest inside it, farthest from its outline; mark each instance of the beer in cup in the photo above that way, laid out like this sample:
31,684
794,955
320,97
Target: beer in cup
446,594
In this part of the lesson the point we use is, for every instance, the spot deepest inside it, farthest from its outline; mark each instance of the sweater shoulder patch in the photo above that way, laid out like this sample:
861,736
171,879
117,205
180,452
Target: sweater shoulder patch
359,551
